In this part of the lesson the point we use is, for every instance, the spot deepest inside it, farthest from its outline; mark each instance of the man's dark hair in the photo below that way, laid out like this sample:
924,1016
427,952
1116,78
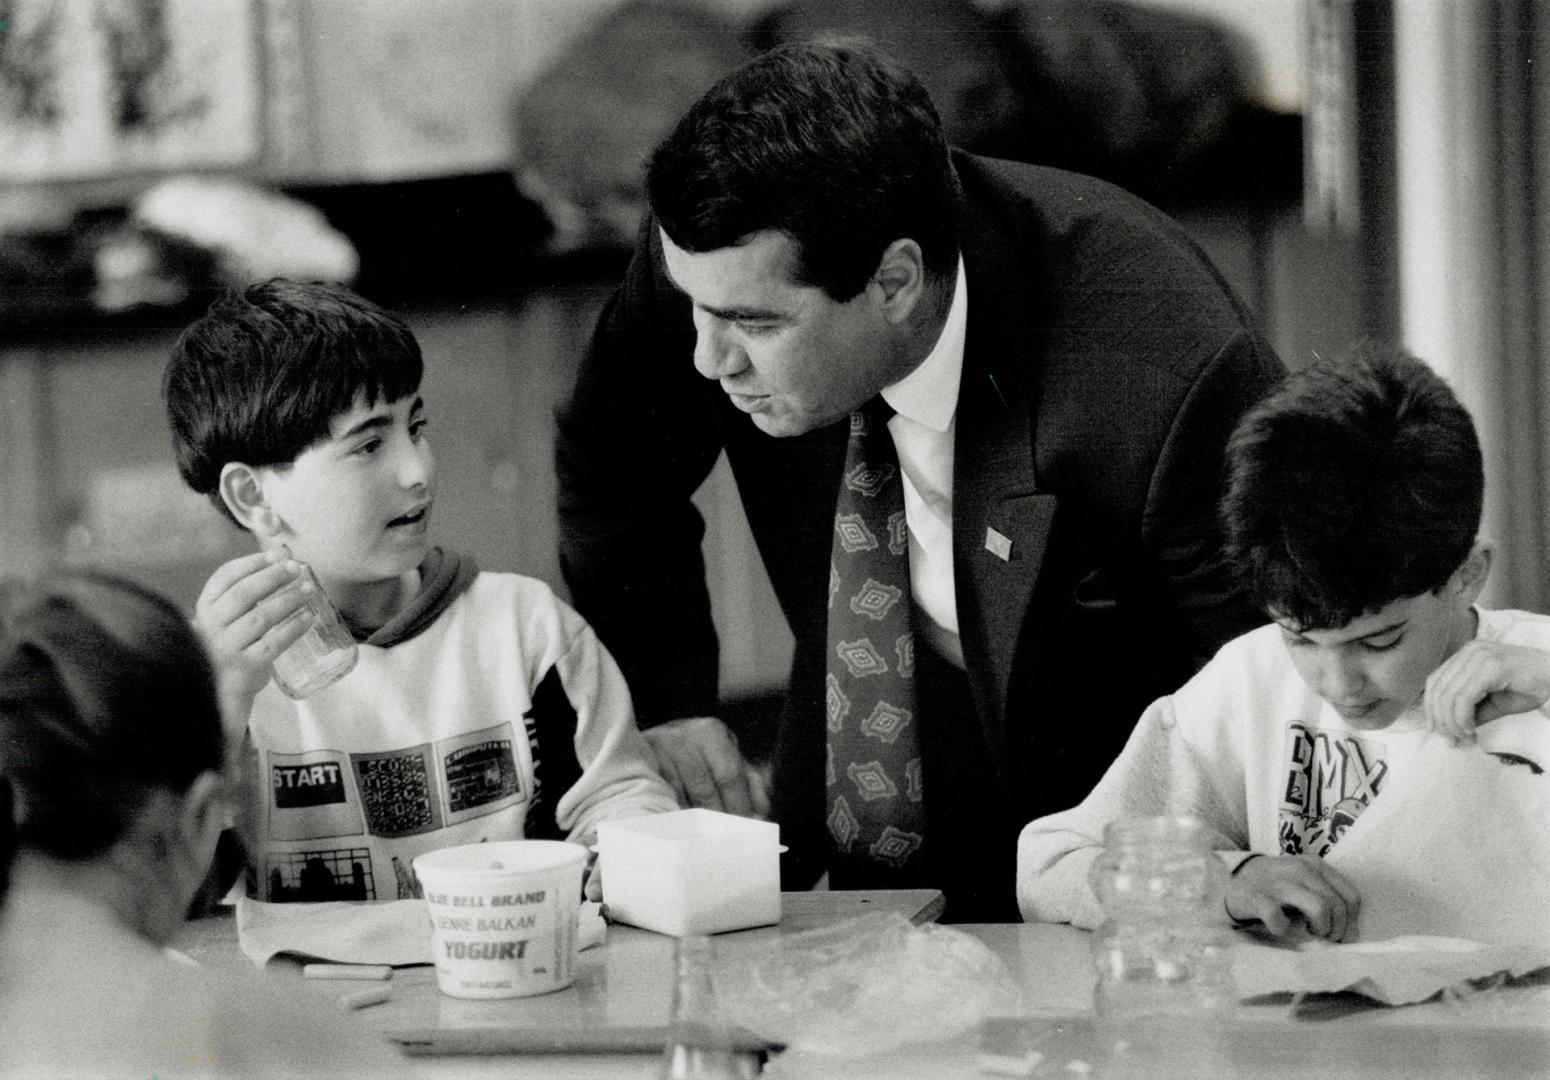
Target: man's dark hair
831,143
259,378
1357,482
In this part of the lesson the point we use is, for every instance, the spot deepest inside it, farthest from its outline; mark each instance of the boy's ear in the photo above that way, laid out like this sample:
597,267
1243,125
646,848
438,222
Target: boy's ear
1474,570
204,814
207,810
181,831
242,490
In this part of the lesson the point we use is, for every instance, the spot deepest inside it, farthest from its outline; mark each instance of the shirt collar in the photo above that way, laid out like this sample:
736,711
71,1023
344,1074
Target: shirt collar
929,394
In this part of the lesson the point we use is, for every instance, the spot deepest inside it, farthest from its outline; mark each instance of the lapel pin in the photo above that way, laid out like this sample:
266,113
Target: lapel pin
998,545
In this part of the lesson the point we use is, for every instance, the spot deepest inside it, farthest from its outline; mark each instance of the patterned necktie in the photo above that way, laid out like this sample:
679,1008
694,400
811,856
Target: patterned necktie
873,768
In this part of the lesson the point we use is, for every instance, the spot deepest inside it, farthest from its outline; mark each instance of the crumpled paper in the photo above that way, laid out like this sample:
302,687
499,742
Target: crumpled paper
396,932
868,985
1398,971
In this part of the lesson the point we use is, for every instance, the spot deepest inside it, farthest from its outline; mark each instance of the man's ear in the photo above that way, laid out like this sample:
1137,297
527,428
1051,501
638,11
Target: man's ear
242,490
900,278
1473,572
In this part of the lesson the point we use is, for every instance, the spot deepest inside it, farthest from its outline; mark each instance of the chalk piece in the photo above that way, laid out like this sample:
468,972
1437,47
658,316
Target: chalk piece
1002,1065
370,995
371,972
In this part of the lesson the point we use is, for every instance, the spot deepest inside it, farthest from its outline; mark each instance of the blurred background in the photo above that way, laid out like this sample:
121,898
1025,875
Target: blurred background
1353,166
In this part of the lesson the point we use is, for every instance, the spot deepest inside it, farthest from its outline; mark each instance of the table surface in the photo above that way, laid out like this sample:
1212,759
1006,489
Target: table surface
624,988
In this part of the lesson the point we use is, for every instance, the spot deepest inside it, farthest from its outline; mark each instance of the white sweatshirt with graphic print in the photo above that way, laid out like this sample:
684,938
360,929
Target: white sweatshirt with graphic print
1247,747
495,715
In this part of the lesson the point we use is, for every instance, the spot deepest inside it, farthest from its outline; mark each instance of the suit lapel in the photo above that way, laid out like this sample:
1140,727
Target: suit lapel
1001,522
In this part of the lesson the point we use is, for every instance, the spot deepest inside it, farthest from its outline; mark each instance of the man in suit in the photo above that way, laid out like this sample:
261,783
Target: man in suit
1062,367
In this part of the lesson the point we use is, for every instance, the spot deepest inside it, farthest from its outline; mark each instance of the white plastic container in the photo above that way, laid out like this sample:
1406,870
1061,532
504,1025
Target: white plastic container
691,871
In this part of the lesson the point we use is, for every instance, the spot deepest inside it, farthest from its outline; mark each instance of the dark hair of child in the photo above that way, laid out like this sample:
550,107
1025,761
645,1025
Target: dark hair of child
105,696
261,375
1359,481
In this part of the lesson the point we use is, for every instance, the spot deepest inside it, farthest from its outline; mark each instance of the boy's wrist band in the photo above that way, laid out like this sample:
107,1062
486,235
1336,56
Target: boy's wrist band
1237,923
1251,857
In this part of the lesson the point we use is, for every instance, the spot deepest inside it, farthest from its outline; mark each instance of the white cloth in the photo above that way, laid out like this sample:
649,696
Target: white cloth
1268,766
925,404
391,932
447,738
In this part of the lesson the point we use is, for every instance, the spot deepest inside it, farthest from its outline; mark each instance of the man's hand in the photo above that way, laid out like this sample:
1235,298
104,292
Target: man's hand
245,626
1293,897
699,757
1482,681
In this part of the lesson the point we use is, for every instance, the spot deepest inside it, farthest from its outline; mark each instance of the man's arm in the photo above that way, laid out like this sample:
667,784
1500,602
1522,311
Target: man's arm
635,440
1181,527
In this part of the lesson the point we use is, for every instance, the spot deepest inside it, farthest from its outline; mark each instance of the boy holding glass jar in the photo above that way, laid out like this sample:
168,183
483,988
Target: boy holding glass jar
480,706
1354,500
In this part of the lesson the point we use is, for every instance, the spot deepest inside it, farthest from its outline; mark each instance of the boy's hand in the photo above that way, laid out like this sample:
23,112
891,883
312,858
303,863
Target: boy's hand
1293,896
698,756
1482,681
245,626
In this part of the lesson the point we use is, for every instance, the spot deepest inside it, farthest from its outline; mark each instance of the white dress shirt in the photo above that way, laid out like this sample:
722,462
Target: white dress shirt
925,404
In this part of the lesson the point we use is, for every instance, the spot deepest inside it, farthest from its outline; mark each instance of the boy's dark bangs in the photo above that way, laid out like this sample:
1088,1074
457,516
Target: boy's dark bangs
1328,590
380,363
323,379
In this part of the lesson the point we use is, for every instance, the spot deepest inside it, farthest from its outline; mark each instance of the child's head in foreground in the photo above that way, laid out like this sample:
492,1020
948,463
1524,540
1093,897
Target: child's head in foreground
111,742
296,408
1353,505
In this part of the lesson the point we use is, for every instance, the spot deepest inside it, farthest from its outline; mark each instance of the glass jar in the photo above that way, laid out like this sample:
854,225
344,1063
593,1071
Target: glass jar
323,655
701,1044
1164,949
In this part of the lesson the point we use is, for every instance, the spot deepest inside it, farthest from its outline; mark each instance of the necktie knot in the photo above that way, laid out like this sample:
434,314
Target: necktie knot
877,413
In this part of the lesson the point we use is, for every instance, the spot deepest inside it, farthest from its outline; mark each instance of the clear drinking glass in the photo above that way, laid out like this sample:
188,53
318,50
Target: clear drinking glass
321,656
1164,949
700,1040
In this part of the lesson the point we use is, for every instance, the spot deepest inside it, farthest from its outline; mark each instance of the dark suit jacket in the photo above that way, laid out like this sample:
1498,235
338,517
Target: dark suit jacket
1105,365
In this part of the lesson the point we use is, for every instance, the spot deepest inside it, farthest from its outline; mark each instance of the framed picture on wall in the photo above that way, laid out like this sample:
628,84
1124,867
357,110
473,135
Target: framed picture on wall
90,88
